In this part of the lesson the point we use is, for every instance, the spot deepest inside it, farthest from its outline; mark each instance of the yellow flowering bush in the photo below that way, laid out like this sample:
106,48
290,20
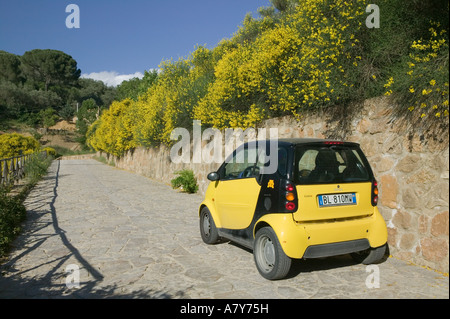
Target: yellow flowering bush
166,105
16,144
50,151
169,104
424,80
308,55
305,61
113,131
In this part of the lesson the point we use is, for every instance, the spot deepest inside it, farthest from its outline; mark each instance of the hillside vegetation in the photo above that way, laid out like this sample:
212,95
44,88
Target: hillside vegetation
296,57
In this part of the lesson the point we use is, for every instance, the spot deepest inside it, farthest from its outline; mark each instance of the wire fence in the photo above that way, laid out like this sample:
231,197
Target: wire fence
13,169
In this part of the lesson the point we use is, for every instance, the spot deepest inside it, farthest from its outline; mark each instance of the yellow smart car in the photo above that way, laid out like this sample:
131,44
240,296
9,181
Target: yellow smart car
295,198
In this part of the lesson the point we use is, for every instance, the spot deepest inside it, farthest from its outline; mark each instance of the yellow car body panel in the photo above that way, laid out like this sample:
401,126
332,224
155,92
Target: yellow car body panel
209,202
236,201
310,210
296,237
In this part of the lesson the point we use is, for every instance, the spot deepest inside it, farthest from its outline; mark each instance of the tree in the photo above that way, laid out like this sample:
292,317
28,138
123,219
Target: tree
128,89
10,67
67,112
136,87
49,67
90,89
48,117
87,114
280,5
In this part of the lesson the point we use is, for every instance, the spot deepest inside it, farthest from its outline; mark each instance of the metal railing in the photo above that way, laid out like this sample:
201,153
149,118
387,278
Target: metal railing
13,169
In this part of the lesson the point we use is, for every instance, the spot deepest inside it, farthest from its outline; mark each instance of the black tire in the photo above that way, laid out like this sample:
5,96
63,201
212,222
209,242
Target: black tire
208,228
370,256
270,259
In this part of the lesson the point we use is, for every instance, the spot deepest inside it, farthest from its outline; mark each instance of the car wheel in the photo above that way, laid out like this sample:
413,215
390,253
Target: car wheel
370,256
270,259
208,228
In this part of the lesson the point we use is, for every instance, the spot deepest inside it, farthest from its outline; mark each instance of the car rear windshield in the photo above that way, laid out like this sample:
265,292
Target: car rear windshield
330,164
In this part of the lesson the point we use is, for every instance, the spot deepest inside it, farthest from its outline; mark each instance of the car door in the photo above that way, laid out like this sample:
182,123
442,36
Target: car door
238,190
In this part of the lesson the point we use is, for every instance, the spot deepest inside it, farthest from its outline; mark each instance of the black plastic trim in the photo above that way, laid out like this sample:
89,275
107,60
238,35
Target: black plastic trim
334,249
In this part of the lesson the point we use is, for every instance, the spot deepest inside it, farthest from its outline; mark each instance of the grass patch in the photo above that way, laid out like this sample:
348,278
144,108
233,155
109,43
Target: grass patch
104,160
63,151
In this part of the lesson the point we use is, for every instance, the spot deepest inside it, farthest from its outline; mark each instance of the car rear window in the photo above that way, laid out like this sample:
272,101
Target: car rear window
330,164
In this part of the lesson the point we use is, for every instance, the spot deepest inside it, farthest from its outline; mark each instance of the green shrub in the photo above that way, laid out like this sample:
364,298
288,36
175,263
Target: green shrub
50,151
12,210
186,181
12,214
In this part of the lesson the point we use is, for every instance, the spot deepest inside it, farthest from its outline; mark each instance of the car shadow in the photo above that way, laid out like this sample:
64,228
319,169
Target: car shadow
314,264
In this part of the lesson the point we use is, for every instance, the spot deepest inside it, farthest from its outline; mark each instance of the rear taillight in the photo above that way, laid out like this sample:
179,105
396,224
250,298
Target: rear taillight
290,197
290,206
374,193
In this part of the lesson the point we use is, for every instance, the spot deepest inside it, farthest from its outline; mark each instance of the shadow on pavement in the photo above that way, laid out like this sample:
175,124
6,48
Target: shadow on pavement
53,283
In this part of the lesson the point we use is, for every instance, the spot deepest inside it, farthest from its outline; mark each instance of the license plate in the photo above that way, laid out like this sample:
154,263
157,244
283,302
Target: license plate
337,199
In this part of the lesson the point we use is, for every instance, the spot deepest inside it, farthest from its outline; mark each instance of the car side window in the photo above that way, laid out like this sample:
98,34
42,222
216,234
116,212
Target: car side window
242,165
282,161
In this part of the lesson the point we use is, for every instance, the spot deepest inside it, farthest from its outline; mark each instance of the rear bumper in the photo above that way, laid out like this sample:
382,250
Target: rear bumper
333,249
328,238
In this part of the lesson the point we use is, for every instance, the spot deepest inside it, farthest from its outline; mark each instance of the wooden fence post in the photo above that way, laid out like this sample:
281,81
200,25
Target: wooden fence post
4,175
12,169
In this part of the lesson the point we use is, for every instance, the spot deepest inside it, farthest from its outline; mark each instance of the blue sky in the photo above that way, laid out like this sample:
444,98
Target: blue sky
118,37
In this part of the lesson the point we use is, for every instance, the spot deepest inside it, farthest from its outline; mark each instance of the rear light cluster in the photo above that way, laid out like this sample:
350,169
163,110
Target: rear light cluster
290,197
374,193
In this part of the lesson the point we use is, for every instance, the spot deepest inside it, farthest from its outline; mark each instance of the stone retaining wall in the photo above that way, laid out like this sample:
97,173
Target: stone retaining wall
413,174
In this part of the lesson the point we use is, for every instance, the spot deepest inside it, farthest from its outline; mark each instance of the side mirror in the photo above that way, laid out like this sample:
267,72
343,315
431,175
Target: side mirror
213,176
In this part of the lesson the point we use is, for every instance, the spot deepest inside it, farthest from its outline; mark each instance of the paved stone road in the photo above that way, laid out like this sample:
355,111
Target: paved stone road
131,237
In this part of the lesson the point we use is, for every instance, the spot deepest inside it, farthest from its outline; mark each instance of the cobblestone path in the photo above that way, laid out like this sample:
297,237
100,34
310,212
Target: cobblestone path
126,236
